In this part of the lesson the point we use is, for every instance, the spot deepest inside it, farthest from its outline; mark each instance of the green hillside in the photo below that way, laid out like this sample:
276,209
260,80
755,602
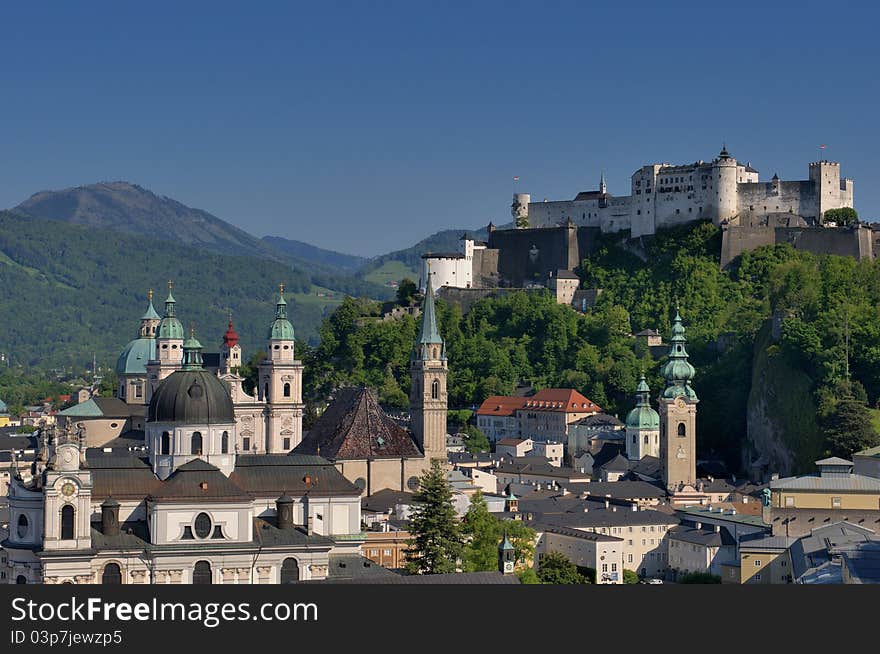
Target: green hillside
67,292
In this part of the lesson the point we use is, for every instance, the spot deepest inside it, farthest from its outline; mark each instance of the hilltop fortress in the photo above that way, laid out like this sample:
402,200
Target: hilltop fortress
751,213
722,191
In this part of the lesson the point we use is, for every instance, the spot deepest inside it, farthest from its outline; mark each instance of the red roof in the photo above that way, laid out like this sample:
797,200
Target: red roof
501,405
565,400
230,338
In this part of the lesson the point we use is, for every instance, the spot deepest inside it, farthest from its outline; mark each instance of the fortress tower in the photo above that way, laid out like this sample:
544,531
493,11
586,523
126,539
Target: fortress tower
725,203
520,207
825,176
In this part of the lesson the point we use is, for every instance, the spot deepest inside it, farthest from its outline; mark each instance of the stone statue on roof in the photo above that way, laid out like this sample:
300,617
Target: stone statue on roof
766,494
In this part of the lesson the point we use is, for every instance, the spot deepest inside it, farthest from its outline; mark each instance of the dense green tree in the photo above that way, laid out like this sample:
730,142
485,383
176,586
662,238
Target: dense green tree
556,568
842,216
848,428
406,292
630,577
476,440
484,532
436,544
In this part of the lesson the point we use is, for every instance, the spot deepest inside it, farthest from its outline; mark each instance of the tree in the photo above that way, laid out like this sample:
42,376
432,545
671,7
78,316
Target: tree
528,576
436,543
848,428
699,578
842,216
630,577
476,440
556,568
481,531
406,292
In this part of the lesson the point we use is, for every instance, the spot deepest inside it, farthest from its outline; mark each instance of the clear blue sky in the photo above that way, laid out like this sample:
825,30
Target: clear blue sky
366,126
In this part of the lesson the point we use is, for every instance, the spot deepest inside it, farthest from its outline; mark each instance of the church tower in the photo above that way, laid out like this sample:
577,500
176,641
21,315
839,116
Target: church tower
230,350
678,415
280,385
427,398
642,426
150,320
169,345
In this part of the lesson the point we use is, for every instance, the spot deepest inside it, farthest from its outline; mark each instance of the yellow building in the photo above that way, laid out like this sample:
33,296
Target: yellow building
764,561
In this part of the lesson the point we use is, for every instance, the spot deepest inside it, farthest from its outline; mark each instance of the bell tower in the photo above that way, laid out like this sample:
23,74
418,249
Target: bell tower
280,385
427,398
678,415
169,346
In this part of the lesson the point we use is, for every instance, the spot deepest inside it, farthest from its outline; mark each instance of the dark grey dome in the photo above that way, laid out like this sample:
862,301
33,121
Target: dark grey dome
195,397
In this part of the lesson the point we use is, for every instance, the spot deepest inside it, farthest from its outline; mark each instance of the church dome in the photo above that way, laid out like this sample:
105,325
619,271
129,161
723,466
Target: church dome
643,417
134,357
195,397
281,329
170,327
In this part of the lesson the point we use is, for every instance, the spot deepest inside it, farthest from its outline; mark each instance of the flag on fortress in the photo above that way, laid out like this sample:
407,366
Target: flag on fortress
516,177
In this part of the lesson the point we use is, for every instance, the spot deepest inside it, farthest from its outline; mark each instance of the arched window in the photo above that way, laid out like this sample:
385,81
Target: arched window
21,579
286,390
112,574
202,573
646,439
224,443
22,526
681,429
196,443
289,571
166,443
435,389
435,353
67,521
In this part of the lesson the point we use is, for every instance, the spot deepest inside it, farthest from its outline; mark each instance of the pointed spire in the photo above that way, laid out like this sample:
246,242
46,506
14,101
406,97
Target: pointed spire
230,338
170,301
150,313
678,371
602,187
281,328
281,305
428,333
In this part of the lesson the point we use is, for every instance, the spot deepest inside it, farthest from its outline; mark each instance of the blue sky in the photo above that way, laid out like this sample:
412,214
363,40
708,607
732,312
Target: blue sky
366,126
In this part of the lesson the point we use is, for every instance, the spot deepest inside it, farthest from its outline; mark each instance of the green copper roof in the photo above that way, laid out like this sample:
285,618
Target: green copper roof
428,333
192,352
88,409
150,313
170,327
505,544
678,371
643,416
281,329
134,357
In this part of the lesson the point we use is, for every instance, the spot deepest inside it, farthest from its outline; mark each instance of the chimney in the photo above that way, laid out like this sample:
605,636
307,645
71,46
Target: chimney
698,525
284,510
110,517
717,529
309,525
635,507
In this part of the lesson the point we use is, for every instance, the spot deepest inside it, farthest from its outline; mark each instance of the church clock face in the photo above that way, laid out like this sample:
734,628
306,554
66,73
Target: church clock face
679,403
68,489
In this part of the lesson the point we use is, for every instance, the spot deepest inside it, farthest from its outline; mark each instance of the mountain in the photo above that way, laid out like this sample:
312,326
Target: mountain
125,207
307,252
128,208
73,294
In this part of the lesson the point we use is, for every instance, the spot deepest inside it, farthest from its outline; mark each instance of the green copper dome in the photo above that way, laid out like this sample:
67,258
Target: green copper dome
678,371
281,329
134,357
170,326
643,416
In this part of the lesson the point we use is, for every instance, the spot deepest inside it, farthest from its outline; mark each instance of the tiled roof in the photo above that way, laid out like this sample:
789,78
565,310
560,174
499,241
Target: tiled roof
599,420
500,405
560,399
384,500
199,481
850,482
511,441
354,426
704,537
271,475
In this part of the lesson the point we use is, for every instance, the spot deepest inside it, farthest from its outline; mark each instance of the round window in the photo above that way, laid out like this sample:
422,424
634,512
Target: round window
361,483
413,484
203,525
114,425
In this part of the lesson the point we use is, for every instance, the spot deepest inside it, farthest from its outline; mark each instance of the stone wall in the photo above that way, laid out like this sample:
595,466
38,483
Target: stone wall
858,242
531,255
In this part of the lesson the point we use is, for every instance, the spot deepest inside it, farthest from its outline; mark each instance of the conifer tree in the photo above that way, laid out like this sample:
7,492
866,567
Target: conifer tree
436,543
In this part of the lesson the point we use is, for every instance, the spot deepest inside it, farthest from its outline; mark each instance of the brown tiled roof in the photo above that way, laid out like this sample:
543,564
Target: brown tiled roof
356,427
511,441
560,399
198,480
270,475
121,476
500,405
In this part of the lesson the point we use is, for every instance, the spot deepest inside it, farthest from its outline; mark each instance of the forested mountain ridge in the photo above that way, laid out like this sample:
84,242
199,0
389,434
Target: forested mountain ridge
66,294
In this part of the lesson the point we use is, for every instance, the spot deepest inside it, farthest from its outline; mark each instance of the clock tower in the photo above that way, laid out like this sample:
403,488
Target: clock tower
678,416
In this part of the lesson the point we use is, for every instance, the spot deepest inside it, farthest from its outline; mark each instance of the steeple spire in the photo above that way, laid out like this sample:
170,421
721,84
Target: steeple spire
170,327
281,329
678,371
602,188
170,301
428,333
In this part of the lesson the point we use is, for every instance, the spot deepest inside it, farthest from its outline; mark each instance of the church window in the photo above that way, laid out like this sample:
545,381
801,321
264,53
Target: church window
187,533
202,573
246,443
166,443
681,429
218,533
277,347
289,571
67,521
287,390
164,346
21,579
196,445
435,389
112,574
286,444
138,390
224,443
22,526
646,439
202,525
634,439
